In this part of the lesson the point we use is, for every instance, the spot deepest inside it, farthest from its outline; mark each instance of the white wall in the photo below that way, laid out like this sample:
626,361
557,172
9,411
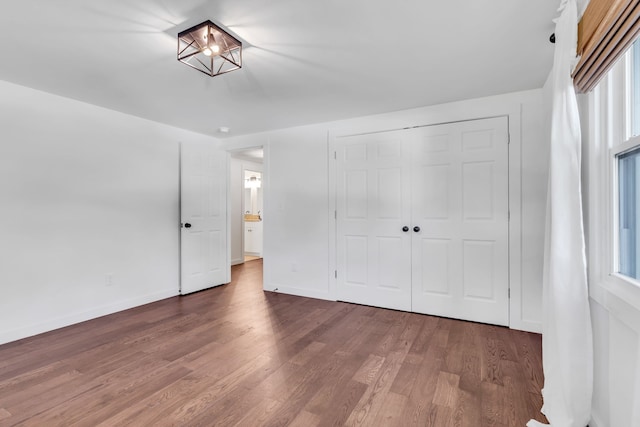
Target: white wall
299,229
236,210
85,192
296,229
616,331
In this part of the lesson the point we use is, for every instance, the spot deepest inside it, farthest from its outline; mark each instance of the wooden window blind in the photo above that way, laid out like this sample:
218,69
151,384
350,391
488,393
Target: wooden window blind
605,32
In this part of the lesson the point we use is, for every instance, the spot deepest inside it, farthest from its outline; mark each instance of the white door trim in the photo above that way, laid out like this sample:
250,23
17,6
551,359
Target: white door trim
265,186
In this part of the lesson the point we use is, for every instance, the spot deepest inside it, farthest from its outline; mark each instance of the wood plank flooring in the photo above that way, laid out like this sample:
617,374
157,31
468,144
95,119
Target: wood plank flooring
235,355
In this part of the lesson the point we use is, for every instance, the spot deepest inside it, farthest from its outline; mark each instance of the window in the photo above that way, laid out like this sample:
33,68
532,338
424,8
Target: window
628,210
611,117
635,88
626,169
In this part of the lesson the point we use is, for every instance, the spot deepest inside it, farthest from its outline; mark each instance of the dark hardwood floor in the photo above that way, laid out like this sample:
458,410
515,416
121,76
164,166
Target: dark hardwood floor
235,355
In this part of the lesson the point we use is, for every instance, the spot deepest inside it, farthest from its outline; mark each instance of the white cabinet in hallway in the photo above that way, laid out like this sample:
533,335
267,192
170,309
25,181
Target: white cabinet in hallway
253,238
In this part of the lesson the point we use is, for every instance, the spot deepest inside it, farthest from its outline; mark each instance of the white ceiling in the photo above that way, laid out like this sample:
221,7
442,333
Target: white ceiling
306,61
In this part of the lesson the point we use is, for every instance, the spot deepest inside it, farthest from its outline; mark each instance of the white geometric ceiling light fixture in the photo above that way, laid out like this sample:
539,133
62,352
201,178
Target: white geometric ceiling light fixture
209,49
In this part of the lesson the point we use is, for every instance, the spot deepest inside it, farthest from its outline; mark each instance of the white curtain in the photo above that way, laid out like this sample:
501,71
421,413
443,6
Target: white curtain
567,351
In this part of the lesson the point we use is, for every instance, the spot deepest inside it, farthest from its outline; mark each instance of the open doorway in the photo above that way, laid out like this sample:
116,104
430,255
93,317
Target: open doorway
253,206
247,204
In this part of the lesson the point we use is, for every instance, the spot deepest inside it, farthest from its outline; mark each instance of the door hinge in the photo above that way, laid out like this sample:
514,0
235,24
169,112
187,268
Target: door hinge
335,273
335,155
509,292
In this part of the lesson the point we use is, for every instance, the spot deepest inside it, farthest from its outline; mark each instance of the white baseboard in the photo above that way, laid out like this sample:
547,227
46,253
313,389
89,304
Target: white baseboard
81,316
297,292
527,326
522,325
237,261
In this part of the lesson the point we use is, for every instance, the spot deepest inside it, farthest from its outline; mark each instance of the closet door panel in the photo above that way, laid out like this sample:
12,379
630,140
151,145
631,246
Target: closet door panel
476,228
373,253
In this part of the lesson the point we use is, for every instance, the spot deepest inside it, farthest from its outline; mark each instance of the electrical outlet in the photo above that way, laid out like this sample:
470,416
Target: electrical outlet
108,279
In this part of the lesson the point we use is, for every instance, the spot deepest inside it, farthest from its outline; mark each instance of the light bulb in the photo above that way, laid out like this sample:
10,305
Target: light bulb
215,48
207,51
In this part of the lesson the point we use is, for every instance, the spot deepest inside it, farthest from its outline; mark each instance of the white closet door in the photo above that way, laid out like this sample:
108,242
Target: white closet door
204,258
460,202
373,205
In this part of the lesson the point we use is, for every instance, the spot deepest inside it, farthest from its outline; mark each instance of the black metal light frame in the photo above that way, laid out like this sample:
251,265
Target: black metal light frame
197,49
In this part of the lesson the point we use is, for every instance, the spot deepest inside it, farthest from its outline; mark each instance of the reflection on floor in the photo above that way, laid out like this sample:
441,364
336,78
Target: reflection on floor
250,258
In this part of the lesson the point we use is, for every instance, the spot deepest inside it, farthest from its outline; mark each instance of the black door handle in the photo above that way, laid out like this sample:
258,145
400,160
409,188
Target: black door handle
405,228
416,228
187,225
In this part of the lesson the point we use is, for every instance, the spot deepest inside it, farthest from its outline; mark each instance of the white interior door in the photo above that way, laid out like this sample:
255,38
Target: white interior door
373,205
204,250
449,185
460,203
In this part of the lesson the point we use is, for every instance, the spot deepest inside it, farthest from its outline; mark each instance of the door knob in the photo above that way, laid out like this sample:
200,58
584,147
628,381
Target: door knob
405,228
416,228
187,225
